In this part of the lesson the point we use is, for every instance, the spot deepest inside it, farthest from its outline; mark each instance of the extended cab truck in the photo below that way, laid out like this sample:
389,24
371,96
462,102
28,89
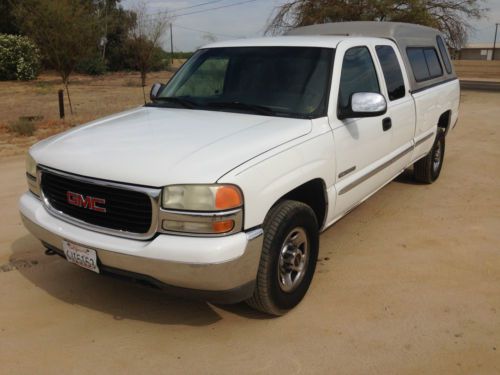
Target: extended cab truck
220,186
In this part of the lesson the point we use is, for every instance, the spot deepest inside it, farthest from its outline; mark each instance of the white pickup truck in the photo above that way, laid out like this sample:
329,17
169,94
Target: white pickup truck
219,187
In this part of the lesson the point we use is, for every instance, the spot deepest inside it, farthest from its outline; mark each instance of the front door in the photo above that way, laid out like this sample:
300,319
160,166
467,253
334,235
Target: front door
360,143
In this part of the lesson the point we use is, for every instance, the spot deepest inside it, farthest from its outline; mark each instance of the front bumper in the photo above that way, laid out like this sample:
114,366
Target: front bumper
218,269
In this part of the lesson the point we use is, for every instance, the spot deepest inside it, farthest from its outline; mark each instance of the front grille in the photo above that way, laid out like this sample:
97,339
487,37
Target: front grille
126,210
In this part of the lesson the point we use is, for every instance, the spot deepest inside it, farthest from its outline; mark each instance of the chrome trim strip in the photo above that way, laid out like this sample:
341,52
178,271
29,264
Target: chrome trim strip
347,171
365,177
253,234
201,217
420,141
153,194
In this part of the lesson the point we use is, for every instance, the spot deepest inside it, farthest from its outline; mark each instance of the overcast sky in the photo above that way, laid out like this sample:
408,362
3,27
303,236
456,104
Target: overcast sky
250,18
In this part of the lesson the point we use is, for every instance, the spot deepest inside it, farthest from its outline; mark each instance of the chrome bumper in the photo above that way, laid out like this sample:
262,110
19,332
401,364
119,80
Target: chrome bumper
216,269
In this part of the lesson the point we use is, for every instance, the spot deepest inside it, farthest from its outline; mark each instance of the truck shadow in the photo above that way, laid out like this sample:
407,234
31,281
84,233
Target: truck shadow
120,299
407,178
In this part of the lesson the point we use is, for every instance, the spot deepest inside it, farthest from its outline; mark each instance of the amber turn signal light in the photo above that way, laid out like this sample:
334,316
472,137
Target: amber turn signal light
227,197
223,226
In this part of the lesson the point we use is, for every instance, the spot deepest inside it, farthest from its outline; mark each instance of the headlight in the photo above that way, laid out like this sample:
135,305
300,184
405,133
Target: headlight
202,197
202,209
31,175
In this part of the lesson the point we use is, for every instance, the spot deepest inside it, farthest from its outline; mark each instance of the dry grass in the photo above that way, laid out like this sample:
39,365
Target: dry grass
92,97
22,127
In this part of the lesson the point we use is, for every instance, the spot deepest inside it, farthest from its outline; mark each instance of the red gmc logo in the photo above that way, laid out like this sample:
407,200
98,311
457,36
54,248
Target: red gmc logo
88,202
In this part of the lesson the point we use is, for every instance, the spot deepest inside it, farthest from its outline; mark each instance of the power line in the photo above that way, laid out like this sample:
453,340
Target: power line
208,10
215,8
197,5
205,31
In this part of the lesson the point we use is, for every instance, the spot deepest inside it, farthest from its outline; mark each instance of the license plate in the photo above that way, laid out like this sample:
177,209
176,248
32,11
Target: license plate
81,256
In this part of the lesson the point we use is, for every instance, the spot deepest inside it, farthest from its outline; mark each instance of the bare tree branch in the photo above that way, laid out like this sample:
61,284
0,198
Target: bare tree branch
145,38
450,16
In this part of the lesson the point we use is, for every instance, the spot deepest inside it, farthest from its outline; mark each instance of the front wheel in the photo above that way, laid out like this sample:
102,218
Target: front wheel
288,260
428,168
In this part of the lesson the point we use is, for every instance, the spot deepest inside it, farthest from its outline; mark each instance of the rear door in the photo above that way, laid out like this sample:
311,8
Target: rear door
400,104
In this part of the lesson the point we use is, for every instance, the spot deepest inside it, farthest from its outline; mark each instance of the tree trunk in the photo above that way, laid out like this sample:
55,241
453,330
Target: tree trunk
67,93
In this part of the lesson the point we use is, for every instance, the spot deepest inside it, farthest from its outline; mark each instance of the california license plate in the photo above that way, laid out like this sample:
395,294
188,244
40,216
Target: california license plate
81,256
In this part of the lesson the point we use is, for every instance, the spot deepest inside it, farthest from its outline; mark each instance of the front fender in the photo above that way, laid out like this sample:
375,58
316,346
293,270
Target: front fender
264,180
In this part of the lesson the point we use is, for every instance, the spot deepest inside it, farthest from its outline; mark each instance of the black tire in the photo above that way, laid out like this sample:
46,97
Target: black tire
427,169
285,219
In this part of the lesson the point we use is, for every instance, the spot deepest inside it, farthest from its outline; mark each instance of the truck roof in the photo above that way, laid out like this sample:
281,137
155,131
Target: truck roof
282,41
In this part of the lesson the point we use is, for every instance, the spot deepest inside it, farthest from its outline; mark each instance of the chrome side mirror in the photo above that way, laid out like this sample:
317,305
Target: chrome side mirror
155,90
364,104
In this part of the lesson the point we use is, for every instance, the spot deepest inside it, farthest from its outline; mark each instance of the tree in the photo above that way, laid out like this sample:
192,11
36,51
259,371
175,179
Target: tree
8,23
145,39
119,24
450,16
64,30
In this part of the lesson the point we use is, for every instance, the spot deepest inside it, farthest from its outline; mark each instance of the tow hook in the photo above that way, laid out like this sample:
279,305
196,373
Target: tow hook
50,252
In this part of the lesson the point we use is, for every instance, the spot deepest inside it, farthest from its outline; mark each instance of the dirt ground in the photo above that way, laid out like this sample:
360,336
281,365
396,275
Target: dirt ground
408,283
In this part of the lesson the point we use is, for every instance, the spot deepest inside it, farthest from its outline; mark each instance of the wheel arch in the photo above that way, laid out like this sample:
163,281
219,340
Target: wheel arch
445,121
314,194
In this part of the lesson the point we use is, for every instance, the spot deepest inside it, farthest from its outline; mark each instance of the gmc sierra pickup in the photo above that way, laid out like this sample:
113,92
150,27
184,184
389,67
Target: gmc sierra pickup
219,187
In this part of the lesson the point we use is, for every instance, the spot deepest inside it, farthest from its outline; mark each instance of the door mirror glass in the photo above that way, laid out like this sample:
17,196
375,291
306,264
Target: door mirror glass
364,104
155,90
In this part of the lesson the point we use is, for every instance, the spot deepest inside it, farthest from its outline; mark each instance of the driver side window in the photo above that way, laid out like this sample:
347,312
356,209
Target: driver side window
358,75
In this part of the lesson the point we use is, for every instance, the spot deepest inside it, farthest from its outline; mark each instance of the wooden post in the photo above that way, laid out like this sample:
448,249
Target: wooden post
61,104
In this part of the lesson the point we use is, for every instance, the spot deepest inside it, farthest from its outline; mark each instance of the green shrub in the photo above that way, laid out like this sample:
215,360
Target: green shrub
93,66
19,58
160,60
23,127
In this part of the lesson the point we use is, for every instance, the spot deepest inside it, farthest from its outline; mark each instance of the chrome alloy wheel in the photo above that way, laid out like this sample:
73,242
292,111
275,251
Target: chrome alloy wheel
293,260
436,158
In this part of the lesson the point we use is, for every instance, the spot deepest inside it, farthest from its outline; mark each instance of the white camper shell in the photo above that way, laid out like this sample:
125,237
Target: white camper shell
410,39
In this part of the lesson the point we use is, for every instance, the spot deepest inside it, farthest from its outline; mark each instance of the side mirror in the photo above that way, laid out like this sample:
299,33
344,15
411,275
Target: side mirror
155,90
364,104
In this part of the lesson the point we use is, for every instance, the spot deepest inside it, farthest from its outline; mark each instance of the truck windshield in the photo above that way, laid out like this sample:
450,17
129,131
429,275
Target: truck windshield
273,81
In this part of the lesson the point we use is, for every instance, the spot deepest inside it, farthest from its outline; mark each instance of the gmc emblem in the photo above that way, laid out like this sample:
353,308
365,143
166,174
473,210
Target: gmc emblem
88,202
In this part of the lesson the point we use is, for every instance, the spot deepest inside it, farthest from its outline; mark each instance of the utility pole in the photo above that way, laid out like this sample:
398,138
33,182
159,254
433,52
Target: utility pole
172,44
495,42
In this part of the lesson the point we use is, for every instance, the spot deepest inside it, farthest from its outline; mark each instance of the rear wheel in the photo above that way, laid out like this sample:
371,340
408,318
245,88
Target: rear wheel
288,260
427,169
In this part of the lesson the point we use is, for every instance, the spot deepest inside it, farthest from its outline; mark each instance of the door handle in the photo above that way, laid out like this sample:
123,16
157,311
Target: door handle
386,123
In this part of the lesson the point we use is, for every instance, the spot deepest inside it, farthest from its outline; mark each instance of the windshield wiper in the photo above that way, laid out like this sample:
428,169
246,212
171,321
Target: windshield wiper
259,109
186,103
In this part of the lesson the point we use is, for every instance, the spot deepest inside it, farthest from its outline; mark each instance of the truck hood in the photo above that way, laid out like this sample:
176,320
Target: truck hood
163,146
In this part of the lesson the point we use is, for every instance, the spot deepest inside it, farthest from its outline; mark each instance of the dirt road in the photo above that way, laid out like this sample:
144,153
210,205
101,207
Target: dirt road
408,283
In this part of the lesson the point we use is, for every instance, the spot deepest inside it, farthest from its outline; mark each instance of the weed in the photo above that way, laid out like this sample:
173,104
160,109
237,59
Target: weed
22,127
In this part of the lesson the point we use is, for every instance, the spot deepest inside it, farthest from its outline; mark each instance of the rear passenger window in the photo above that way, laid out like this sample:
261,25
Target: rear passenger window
444,54
358,74
392,72
433,63
424,63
